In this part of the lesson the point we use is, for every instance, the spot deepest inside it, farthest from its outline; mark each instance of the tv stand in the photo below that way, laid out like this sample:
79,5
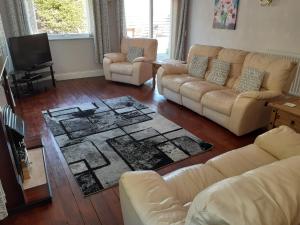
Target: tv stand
34,74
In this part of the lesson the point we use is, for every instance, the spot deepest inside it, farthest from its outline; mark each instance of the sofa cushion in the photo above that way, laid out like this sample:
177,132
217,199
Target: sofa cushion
196,89
198,177
282,142
220,100
198,66
134,52
267,195
250,80
204,50
125,68
174,82
219,72
277,71
245,159
236,59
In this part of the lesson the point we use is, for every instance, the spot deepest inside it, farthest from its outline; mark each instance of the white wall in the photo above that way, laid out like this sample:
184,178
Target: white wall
74,58
275,28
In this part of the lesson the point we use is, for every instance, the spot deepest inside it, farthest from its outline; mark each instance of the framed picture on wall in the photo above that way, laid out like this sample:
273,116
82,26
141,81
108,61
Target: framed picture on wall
225,14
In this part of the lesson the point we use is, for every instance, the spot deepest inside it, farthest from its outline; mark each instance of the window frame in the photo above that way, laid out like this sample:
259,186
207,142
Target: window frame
71,36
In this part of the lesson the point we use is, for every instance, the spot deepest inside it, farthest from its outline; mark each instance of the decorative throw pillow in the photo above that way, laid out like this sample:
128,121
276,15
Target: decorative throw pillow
133,53
219,73
198,66
251,80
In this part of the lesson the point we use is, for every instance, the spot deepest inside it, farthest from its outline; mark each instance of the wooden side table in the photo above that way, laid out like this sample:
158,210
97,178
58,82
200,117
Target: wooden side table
158,63
285,115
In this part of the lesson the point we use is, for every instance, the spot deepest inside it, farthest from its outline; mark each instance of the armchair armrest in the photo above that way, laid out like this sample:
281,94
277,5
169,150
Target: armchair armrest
116,57
146,199
260,95
175,68
142,59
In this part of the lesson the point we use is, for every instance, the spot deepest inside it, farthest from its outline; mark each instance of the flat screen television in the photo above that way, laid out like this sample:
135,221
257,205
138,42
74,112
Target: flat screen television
29,52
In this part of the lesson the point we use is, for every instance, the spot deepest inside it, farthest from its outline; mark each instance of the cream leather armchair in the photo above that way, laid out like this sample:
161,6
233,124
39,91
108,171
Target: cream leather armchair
117,68
204,194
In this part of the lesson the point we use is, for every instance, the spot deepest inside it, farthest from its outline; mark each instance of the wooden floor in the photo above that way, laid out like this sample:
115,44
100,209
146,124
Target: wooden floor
68,205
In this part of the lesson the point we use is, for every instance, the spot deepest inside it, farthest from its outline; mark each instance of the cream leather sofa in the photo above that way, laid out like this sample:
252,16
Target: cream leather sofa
117,68
239,113
254,185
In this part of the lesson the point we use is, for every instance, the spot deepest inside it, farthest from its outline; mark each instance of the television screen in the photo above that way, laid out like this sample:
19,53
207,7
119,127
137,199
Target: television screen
27,52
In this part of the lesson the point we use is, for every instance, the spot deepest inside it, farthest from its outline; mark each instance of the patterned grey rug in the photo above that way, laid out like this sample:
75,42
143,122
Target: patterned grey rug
103,139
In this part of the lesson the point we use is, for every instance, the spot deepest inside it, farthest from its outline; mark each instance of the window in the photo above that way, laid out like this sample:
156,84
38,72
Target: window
61,18
152,19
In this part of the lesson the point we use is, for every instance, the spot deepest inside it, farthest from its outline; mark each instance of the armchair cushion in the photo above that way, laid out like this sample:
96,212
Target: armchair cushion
134,52
125,68
251,80
282,142
116,57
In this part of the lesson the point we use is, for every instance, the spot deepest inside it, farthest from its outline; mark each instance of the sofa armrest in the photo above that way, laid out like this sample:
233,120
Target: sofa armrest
142,59
260,95
249,113
175,68
282,142
116,57
146,199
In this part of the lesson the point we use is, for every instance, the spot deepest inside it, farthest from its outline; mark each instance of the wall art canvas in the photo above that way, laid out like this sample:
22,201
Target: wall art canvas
225,14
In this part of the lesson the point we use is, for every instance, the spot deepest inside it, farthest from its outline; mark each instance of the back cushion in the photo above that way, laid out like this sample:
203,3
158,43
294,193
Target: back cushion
149,46
277,71
267,195
204,50
236,59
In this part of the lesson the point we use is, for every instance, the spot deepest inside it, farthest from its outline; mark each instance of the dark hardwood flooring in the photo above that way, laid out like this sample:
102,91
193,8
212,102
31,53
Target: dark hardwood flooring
69,207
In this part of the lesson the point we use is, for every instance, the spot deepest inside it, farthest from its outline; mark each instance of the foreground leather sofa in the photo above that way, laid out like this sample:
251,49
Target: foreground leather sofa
117,68
240,113
257,184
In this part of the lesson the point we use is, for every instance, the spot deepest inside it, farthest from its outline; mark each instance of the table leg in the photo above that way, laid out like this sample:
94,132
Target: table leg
52,76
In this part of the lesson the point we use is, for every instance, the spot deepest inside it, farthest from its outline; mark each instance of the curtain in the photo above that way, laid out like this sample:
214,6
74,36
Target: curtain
108,25
179,28
15,17
4,52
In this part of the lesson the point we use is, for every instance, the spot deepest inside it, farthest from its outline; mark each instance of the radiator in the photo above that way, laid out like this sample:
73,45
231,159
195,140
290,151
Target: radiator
294,57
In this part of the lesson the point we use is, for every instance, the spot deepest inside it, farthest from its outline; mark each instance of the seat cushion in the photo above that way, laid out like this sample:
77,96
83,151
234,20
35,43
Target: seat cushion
174,82
241,160
267,195
196,89
220,100
187,182
125,68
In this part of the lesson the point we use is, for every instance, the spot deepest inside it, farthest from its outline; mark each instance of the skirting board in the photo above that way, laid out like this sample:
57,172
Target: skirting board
78,75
